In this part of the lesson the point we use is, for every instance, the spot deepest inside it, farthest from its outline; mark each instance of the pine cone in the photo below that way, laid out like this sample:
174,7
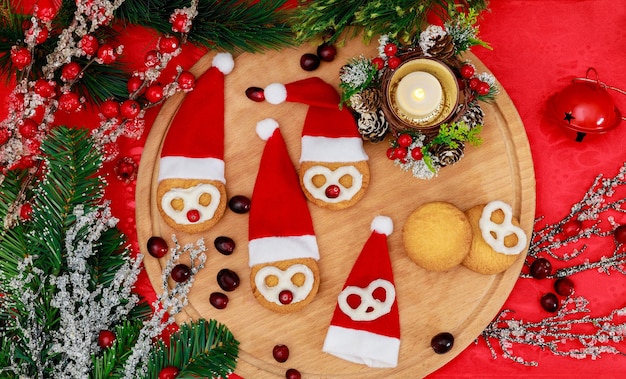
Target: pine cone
366,101
446,155
474,115
443,47
373,126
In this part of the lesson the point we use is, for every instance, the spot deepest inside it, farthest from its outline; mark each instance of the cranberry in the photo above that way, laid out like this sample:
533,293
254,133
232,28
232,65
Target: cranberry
442,342
564,286
239,204
285,297
168,372
332,191
193,215
224,245
106,339
255,94
620,234
180,273
280,353
540,268
467,71
309,62
218,300
292,373
550,302
227,279
157,247
326,52
572,227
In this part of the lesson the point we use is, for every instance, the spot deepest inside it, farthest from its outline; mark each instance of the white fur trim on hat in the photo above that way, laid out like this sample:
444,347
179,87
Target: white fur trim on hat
359,346
177,167
273,249
325,149
265,128
224,62
275,93
382,225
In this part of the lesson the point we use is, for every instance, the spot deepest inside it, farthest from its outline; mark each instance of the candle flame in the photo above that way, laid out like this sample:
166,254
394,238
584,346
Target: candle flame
419,94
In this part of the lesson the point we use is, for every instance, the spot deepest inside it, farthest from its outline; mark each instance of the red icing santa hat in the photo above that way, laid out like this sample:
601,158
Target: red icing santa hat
280,225
329,134
368,331
194,145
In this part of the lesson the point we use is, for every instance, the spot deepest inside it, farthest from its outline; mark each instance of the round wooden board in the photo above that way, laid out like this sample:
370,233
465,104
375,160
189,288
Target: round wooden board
458,301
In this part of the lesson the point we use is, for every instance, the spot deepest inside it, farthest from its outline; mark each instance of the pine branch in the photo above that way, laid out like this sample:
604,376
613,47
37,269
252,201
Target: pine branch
111,363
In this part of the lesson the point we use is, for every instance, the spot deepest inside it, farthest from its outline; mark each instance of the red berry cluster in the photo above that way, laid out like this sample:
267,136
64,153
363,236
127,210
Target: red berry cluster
280,353
541,268
325,52
468,71
393,61
402,150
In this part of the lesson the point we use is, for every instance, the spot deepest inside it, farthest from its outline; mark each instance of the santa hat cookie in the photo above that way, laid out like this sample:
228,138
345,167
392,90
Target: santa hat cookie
332,147
367,330
191,195
282,241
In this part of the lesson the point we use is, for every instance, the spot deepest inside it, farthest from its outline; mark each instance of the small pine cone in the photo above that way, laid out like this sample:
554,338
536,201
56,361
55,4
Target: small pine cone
446,155
366,101
372,126
443,47
474,115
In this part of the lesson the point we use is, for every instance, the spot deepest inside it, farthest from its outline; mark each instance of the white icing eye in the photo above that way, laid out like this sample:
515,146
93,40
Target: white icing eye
333,186
192,205
367,304
276,284
494,233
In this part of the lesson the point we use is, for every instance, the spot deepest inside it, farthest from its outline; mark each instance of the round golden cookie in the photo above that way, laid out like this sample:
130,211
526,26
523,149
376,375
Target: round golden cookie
482,258
352,178
437,236
265,285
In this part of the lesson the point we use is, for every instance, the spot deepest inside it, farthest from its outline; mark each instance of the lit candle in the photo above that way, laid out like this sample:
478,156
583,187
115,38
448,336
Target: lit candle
419,94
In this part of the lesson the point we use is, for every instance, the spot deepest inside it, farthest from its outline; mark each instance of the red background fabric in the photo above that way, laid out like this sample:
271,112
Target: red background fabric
538,47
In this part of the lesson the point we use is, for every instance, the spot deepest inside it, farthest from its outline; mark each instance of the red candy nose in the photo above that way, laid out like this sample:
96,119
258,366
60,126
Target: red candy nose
332,191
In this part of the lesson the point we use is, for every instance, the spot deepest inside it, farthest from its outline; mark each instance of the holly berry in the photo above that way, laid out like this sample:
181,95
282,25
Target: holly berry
405,140
292,373
227,279
379,63
280,353
180,273
239,204
620,234
5,134
110,108
332,191
151,59
157,247
255,94
154,93
473,83
400,152
70,71
442,342
564,286
550,302
540,268
44,88
417,153
168,372
224,245
26,211
42,35
180,23
483,88
106,339
467,71
285,297
168,44
45,10
309,62
106,54
326,52
134,84
89,44
21,57
186,81
130,108
126,169
391,153
218,300
28,128
69,102
393,62
572,227
390,49
193,215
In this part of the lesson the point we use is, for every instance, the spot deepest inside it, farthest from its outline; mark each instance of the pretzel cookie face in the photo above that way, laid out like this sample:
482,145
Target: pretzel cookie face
191,206
285,286
334,185
369,303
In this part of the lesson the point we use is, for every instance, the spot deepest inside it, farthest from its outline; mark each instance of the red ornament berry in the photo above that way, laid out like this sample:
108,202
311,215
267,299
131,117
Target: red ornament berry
106,339
28,128
224,245
21,57
110,108
218,300
540,268
309,62
180,273
130,109
157,247
70,71
391,153
417,154
550,302
442,342
400,152
285,297
390,49
151,59
280,353
89,44
169,372
379,63
186,81
5,135
180,23
106,54
239,204
483,88
564,286
467,71
326,52
227,279
168,44
572,227
69,102
620,234
332,191
473,83
26,212
292,373
193,215
45,10
393,62
405,140
44,88
255,94
135,84
154,93
126,169
42,35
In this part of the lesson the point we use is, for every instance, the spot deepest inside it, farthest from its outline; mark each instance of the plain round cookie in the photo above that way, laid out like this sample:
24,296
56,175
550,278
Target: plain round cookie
482,258
437,236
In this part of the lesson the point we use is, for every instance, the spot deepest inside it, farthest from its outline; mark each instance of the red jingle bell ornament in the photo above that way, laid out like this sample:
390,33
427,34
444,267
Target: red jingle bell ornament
585,106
